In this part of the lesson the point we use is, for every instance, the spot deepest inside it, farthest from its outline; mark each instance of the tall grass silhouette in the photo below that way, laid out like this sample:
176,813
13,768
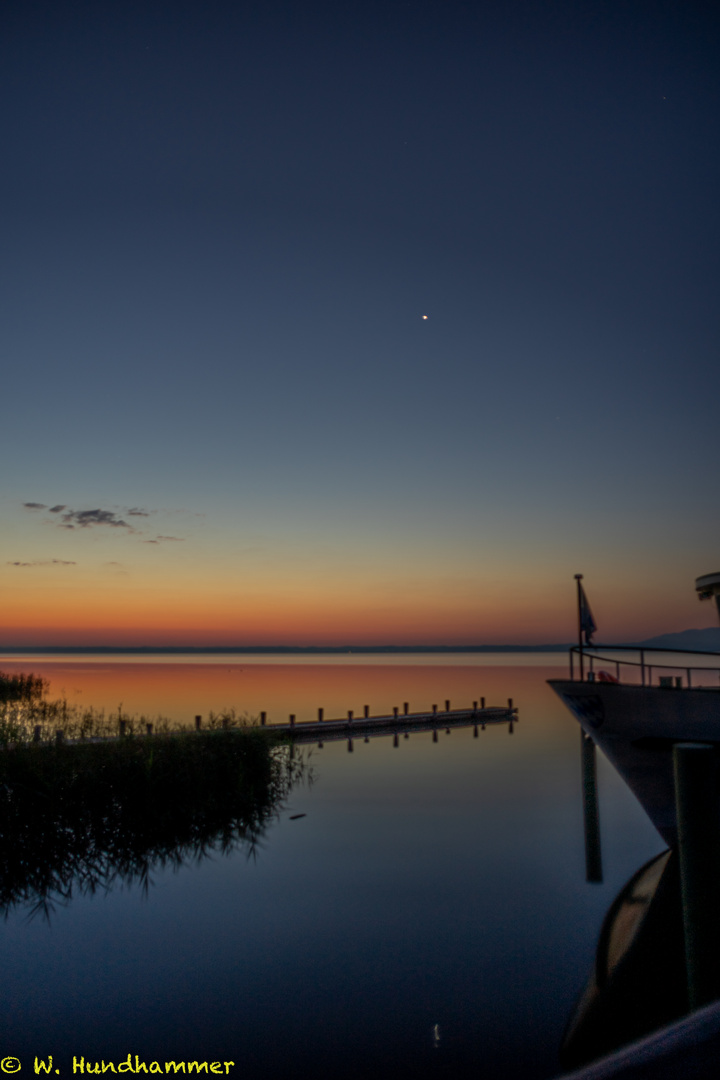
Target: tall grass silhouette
86,814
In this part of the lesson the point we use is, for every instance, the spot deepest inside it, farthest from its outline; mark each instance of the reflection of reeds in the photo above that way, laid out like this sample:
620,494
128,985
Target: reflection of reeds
91,814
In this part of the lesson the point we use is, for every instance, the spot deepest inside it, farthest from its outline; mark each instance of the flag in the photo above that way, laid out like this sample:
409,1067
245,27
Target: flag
587,623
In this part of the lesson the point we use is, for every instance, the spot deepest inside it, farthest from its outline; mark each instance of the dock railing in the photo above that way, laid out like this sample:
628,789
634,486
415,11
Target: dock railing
601,663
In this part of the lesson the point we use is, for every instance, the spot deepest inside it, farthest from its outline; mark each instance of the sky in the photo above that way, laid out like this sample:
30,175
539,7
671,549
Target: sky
358,323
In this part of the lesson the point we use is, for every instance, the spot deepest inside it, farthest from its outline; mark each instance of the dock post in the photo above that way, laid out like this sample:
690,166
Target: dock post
366,711
475,731
350,746
406,706
435,739
396,742
434,709
321,715
395,711
482,702
510,704
350,716
447,705
696,805
263,719
591,812
474,706
292,719
198,723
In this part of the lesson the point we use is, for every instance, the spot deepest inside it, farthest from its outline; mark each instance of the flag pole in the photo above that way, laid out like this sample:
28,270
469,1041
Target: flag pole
578,578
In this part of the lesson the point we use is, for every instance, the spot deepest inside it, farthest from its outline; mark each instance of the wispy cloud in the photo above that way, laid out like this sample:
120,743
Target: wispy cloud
44,562
67,518
85,519
117,569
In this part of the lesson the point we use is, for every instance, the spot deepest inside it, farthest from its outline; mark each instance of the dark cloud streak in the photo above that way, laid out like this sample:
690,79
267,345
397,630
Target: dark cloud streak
44,562
84,519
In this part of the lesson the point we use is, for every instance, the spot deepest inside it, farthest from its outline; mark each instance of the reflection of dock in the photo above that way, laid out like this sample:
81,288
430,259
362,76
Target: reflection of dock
397,723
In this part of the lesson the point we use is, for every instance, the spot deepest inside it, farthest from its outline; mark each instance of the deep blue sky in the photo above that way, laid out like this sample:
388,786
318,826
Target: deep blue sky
223,223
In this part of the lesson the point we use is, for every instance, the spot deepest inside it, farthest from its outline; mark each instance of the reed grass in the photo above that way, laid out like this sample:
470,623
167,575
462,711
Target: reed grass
22,687
83,815
24,708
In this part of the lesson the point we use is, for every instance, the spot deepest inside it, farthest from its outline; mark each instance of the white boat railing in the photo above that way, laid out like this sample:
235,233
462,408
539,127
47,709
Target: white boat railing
601,663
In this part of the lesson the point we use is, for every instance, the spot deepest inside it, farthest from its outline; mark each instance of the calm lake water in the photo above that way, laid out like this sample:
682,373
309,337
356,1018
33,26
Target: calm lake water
428,915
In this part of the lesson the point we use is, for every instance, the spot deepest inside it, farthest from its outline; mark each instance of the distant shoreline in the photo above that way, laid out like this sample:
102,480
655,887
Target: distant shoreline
707,639
270,650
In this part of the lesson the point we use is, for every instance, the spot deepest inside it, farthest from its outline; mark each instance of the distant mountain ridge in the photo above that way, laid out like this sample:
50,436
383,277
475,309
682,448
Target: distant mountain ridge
707,640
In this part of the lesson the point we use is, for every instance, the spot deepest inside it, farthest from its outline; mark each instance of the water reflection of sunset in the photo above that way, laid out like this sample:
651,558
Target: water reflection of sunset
181,690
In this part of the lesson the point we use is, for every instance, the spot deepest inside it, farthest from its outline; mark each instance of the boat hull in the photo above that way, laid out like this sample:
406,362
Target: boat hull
636,728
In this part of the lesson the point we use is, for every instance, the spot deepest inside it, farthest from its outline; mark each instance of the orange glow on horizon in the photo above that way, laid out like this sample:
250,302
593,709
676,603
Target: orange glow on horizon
128,611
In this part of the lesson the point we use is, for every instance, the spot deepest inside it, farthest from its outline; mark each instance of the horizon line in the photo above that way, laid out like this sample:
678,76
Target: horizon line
280,649
334,650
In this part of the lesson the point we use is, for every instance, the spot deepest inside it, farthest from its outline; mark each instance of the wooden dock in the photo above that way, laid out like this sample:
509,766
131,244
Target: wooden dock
367,727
